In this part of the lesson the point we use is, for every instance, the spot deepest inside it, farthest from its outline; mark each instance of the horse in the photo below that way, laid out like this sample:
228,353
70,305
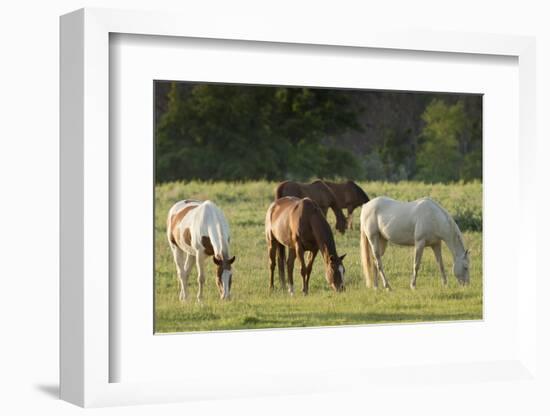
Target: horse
195,231
421,223
350,196
299,225
317,191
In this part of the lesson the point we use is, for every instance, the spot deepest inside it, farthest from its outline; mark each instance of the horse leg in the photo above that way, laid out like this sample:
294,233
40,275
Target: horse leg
272,252
382,244
188,265
290,269
201,275
183,266
309,267
281,264
350,217
376,245
418,250
437,253
303,267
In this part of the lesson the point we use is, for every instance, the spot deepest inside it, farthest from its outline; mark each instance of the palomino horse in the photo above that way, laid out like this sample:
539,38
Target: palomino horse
319,192
421,223
300,225
350,196
195,231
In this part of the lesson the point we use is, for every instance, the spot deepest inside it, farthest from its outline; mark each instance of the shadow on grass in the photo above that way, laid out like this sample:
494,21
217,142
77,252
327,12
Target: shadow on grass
455,295
368,318
300,320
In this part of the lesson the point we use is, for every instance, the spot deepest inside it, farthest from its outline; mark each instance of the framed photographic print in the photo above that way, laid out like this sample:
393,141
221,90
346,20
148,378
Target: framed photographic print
230,150
281,213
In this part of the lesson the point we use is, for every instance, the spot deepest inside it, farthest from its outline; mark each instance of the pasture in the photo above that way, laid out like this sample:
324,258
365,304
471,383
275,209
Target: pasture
253,306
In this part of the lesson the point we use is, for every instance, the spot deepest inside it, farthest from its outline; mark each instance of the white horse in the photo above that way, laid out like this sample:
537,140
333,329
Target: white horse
196,230
419,223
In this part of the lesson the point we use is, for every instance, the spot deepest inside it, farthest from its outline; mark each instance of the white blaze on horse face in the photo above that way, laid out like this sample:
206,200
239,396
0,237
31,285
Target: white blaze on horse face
226,277
341,270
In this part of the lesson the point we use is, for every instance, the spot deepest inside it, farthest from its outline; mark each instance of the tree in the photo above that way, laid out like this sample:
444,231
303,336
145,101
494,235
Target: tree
439,158
214,132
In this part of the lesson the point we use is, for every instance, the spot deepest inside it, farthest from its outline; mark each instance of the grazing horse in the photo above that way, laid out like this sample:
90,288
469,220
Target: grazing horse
350,196
421,223
196,230
300,225
319,192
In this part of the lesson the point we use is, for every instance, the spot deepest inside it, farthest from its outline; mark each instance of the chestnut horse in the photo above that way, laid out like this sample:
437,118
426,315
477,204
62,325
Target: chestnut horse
300,225
319,192
349,196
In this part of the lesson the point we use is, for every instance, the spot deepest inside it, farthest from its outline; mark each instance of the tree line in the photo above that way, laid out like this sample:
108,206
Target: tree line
240,132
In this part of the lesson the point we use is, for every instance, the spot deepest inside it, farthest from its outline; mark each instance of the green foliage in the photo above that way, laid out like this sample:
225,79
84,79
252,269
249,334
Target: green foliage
374,166
235,132
223,132
473,168
450,144
439,158
397,153
252,306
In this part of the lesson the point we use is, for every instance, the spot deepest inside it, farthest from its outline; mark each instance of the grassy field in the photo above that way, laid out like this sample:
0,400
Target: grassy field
252,305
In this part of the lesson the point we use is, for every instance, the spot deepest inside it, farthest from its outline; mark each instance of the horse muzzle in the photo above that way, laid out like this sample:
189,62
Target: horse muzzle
340,288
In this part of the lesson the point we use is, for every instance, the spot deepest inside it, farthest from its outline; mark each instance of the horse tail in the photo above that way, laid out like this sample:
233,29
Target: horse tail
268,222
281,258
366,259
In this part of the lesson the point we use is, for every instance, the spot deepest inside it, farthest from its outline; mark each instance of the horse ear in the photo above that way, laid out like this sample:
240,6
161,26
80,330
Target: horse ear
216,261
231,260
342,257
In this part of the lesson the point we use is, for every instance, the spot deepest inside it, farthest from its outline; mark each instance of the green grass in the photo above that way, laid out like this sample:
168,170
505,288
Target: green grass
252,306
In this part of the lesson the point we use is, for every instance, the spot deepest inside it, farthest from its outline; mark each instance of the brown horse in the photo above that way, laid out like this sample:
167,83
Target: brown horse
319,192
300,225
350,196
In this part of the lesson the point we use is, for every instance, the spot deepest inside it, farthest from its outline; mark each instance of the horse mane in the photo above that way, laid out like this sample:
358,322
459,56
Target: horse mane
359,190
321,227
452,223
217,232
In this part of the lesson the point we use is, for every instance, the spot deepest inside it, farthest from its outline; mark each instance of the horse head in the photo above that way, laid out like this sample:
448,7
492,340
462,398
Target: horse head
224,275
335,273
461,268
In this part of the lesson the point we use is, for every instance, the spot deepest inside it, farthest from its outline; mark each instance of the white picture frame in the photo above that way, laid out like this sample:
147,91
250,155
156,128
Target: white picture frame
85,165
